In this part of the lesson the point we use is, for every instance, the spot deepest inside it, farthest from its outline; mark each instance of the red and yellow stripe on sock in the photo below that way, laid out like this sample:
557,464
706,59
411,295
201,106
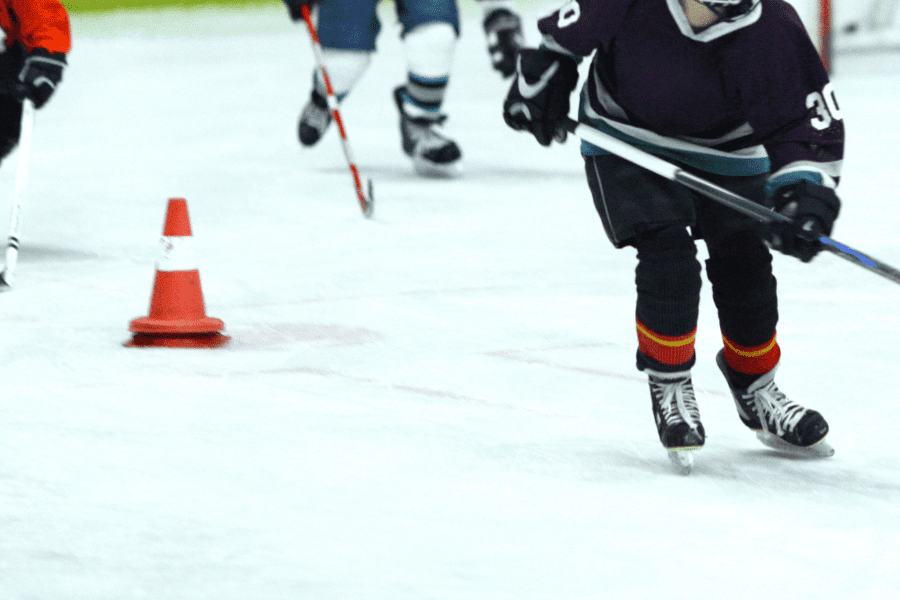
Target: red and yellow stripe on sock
752,360
666,349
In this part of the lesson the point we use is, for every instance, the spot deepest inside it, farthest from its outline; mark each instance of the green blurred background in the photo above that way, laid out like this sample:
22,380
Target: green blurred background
98,5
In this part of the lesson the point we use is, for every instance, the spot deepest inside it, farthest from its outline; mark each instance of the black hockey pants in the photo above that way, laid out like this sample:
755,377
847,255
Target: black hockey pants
667,275
11,62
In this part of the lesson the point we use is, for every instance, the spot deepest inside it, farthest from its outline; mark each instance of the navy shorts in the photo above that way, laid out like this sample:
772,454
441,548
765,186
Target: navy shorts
354,24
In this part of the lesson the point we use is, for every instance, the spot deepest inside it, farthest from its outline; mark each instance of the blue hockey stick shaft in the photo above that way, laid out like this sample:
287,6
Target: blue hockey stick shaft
737,202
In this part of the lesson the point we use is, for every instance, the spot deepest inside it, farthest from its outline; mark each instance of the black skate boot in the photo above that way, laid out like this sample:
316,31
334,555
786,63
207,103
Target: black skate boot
433,154
779,422
314,120
677,416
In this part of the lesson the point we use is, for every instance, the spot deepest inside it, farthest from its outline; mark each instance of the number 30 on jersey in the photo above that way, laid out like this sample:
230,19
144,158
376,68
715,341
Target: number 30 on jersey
826,107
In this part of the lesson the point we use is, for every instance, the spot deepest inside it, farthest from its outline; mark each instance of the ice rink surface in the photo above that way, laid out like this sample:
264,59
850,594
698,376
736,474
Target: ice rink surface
439,403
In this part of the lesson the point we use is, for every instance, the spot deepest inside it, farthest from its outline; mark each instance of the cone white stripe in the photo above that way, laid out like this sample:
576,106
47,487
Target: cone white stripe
177,254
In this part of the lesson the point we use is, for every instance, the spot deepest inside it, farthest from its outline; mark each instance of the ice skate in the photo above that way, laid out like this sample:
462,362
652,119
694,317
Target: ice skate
433,154
785,426
677,416
314,119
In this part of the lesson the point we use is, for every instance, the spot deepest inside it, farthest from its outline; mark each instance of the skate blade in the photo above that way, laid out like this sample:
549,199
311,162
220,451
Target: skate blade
820,449
432,170
682,459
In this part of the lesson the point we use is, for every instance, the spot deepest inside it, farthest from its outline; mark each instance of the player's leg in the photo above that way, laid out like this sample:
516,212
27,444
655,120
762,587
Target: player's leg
347,31
430,31
10,107
667,278
744,292
652,214
10,125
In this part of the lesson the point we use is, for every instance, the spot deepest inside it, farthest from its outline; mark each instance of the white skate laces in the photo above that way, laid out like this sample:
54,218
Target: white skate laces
315,117
774,409
677,416
424,137
675,399
314,120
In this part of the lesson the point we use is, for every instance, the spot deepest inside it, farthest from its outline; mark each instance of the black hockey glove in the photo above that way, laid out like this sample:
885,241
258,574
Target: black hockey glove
504,35
812,209
538,100
294,8
41,74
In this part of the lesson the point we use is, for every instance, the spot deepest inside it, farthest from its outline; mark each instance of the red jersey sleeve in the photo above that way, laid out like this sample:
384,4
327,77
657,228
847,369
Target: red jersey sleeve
37,24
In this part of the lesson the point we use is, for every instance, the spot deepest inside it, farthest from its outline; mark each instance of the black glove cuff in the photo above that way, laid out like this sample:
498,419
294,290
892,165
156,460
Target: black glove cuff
811,200
294,8
44,54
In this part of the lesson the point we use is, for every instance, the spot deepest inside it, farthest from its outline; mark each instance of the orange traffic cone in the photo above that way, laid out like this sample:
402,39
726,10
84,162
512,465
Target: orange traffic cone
177,316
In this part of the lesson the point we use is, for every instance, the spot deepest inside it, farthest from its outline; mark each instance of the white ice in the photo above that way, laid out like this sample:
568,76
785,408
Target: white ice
438,403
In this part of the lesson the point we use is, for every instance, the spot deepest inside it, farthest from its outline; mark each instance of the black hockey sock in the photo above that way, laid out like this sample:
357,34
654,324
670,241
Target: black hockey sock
744,291
668,283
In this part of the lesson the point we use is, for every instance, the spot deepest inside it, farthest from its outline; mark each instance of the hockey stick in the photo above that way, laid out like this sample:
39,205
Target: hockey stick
719,194
365,202
12,245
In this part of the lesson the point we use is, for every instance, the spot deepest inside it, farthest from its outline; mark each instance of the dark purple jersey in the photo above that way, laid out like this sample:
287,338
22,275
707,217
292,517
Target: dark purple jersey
740,98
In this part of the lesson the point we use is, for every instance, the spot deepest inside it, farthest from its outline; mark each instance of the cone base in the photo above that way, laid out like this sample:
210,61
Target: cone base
186,340
176,326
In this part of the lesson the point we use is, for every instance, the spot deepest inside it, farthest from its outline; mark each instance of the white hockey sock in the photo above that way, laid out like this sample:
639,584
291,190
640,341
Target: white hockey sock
429,56
344,67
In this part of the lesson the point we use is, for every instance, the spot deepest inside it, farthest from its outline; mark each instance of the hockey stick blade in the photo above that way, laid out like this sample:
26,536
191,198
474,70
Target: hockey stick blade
367,202
739,203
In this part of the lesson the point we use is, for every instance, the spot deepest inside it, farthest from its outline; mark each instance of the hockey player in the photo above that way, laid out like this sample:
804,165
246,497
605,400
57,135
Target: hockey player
32,60
347,30
731,90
